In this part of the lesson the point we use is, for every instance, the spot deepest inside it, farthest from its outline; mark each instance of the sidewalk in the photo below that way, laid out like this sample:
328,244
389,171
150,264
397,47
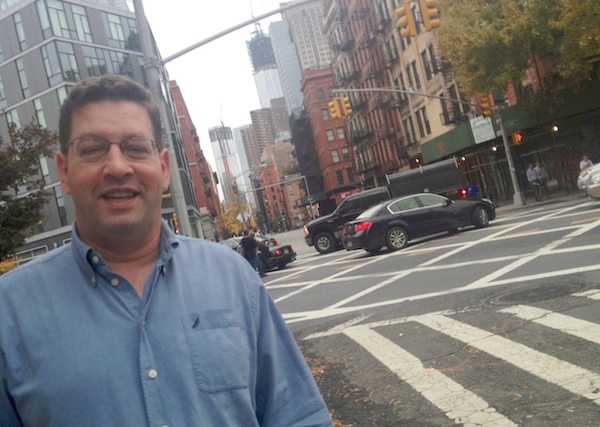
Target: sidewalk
530,203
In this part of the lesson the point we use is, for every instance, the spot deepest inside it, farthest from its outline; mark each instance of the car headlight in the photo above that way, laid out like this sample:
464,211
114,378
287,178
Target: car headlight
595,179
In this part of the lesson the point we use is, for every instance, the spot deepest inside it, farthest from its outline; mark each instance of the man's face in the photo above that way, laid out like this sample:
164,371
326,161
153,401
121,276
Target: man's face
114,197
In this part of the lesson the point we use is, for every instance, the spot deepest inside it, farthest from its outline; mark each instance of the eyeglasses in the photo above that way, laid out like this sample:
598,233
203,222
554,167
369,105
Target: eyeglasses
94,149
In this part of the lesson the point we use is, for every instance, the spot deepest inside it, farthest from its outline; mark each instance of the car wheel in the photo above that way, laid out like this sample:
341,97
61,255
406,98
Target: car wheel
480,217
324,243
396,238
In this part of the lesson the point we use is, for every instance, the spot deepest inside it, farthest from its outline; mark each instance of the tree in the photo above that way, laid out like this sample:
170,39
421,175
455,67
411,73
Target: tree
21,186
492,43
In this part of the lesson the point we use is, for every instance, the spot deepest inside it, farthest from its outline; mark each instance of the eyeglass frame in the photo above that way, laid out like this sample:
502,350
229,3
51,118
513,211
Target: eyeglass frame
107,143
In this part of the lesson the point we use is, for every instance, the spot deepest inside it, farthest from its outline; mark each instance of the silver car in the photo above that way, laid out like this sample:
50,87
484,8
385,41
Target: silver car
589,181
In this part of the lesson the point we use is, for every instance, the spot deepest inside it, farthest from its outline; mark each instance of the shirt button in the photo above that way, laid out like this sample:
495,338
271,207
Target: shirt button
95,259
114,281
152,374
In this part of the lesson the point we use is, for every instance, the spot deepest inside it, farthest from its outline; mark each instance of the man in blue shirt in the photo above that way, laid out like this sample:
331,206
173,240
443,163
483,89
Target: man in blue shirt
131,324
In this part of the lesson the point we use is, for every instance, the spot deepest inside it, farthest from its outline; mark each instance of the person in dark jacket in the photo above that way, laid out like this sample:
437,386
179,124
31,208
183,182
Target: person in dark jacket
264,253
250,248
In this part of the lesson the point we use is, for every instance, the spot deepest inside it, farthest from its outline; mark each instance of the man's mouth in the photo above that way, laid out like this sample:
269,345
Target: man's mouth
119,195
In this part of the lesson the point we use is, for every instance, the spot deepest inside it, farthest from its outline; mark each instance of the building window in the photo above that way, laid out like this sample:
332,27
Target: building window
330,136
346,154
122,32
60,204
82,25
350,173
121,63
22,77
39,112
62,93
341,134
12,117
51,64
58,19
335,156
320,95
68,62
340,177
415,74
44,20
3,103
94,61
423,122
325,114
20,31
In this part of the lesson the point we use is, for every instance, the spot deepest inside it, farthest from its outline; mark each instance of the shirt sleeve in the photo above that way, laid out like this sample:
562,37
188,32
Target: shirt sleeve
286,392
8,412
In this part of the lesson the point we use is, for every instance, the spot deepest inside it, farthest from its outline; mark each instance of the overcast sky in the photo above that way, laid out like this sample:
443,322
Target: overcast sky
216,79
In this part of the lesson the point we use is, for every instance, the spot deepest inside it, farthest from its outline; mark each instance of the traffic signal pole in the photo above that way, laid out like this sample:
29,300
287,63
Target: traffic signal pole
518,198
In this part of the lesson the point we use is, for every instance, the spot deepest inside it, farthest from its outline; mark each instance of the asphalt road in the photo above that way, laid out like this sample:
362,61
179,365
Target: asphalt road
492,327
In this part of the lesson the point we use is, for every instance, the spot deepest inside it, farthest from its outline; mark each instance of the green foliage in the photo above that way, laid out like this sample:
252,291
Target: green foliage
21,195
491,43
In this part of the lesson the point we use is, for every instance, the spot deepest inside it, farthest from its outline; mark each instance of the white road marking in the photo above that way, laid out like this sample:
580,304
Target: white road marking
458,403
591,294
556,371
580,328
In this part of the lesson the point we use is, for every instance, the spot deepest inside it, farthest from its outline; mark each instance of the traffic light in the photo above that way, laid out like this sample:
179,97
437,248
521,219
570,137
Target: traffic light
430,14
406,21
335,111
486,106
346,106
517,138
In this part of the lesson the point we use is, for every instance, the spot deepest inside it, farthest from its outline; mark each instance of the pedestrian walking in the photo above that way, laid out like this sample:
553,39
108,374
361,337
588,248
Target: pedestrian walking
543,177
534,182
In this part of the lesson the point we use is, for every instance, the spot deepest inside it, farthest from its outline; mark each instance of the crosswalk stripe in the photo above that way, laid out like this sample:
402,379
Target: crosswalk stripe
567,324
459,404
564,374
591,294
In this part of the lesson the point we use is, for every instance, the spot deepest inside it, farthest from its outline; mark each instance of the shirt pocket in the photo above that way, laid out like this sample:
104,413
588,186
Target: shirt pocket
219,350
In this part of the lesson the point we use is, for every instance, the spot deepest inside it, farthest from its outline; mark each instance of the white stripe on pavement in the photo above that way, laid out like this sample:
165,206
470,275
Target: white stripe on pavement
591,294
564,374
459,404
567,324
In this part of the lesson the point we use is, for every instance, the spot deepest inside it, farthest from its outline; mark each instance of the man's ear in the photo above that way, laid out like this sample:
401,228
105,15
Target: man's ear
62,164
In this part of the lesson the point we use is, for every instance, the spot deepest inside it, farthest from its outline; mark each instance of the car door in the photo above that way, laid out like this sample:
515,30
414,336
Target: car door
435,216
408,214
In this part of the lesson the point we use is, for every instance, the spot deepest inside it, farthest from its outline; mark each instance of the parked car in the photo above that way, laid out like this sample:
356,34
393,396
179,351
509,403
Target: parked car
395,222
589,181
281,255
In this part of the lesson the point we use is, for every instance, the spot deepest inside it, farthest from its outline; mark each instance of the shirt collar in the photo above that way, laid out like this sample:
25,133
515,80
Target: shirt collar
89,260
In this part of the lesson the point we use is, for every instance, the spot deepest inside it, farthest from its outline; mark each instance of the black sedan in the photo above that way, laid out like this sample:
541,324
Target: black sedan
280,255
395,222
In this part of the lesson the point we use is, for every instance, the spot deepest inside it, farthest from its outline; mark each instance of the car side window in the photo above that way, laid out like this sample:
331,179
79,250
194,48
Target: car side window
350,205
432,200
403,205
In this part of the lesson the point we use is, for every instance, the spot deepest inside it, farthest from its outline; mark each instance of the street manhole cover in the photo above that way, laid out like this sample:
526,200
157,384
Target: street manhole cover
537,293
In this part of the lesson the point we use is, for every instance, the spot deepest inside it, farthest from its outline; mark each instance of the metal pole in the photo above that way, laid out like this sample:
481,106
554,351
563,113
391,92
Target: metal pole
312,213
234,28
518,199
151,65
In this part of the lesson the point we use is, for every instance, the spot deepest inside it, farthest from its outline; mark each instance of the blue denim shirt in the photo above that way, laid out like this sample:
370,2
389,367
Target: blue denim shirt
205,346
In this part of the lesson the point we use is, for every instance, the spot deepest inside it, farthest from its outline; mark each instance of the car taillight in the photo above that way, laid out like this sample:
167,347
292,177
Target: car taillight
305,231
277,252
463,192
363,226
